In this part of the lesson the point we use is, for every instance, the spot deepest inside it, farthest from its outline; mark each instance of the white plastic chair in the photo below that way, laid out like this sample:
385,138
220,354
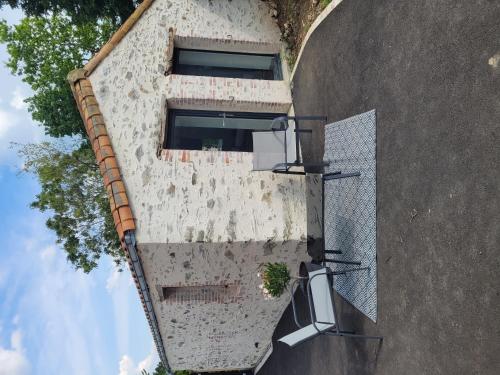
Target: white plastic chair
278,149
269,150
321,307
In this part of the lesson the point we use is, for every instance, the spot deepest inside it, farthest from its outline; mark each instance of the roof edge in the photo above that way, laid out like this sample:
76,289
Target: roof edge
93,121
122,212
135,265
117,36
76,75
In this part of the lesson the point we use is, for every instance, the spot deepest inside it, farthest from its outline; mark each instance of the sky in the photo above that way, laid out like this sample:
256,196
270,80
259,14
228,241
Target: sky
53,319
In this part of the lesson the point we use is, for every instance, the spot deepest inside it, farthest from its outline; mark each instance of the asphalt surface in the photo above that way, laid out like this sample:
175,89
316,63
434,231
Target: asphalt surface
431,69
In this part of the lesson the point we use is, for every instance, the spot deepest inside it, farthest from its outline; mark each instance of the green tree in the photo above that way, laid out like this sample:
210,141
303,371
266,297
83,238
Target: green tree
42,50
72,190
161,370
79,11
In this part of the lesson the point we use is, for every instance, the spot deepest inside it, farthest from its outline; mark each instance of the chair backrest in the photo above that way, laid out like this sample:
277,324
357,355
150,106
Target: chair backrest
321,291
269,149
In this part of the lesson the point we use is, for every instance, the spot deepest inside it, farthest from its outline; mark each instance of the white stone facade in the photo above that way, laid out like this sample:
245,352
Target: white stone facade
227,94
203,217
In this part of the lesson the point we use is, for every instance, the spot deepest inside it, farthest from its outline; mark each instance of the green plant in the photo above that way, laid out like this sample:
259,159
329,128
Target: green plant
160,370
72,191
79,11
43,50
276,277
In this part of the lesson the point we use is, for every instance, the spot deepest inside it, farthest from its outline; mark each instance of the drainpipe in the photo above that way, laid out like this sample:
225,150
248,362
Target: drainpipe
137,269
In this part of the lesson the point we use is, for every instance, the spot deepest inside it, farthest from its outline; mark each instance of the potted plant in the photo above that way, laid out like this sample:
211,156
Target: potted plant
275,278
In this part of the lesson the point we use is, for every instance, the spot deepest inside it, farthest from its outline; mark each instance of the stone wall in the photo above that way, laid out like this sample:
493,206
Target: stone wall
228,94
214,333
220,219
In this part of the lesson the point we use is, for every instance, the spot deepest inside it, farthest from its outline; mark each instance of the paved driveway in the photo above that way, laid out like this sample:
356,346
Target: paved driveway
431,69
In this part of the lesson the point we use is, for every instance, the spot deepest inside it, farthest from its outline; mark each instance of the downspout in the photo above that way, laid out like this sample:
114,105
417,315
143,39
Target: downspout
137,269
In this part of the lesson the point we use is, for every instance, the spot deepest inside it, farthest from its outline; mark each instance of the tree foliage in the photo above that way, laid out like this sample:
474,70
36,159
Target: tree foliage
55,38
79,11
43,50
72,190
161,370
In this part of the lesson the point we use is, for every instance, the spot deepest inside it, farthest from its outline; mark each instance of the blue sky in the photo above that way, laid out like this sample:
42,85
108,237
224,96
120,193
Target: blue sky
53,319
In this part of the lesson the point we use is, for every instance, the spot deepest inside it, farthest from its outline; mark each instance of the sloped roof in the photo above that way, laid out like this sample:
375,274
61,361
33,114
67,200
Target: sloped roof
105,156
115,187
96,128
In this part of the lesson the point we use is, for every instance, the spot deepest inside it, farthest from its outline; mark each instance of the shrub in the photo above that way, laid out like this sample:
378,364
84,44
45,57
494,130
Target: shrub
276,278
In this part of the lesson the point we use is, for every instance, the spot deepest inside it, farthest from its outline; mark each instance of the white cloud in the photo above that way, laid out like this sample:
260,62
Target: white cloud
128,367
48,253
3,277
7,122
113,280
17,127
149,362
16,341
15,320
121,289
17,101
13,361
65,329
73,318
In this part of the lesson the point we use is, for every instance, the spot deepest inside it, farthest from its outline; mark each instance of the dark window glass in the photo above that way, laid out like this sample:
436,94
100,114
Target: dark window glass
227,64
207,130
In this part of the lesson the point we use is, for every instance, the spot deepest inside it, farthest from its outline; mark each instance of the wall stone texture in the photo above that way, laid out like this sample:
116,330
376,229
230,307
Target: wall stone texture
211,335
228,94
202,217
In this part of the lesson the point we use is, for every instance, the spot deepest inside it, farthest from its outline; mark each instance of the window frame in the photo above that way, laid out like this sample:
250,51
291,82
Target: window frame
277,72
172,113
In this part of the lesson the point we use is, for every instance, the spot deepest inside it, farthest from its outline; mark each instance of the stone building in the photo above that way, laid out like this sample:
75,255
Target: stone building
170,103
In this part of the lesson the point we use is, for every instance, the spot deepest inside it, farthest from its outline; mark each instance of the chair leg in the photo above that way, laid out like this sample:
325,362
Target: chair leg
350,270
342,262
333,252
338,175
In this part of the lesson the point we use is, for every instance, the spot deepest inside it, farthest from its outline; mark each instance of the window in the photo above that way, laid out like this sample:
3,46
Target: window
227,64
208,130
225,293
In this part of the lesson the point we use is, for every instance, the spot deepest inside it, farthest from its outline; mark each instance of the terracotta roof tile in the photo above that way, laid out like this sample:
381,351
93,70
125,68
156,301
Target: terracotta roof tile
128,224
116,217
111,175
118,187
90,99
119,230
102,153
103,149
97,120
99,129
121,199
110,163
86,91
103,140
90,132
125,213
